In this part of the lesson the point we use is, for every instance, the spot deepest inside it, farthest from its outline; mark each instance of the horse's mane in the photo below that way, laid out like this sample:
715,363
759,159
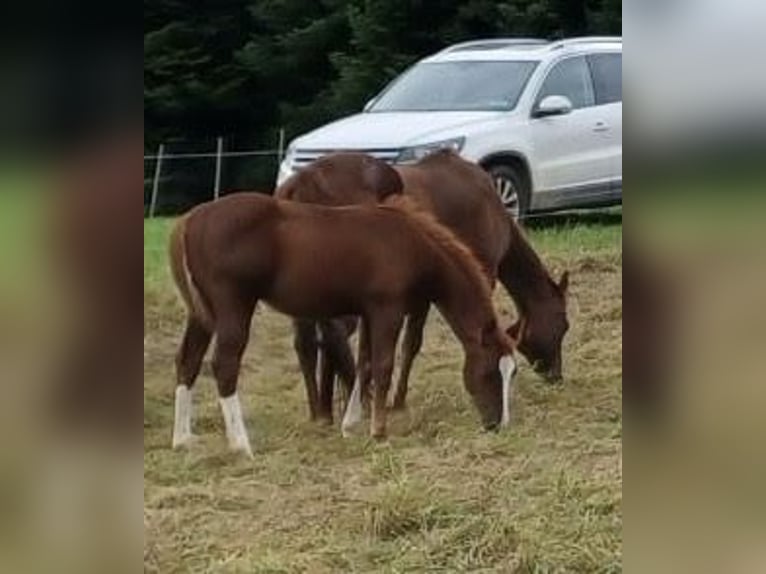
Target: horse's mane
445,239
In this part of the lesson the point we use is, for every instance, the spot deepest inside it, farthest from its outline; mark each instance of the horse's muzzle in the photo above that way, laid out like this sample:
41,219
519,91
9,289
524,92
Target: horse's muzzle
553,378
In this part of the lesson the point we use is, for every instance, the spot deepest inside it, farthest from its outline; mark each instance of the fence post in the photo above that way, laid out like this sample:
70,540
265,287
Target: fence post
281,147
218,160
156,182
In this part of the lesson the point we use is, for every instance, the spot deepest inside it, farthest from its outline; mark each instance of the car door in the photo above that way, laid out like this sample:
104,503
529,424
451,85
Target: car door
606,71
572,151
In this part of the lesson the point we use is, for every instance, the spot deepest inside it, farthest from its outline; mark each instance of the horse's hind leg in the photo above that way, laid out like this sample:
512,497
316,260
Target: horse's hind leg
413,341
196,339
305,343
337,361
232,334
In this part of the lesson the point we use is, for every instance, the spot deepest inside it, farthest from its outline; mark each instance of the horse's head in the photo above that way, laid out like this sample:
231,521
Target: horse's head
343,179
541,333
488,375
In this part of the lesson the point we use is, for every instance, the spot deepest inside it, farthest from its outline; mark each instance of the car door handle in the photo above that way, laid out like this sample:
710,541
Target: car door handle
601,127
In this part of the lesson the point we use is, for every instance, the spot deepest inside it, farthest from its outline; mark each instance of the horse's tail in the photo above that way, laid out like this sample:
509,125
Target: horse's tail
191,295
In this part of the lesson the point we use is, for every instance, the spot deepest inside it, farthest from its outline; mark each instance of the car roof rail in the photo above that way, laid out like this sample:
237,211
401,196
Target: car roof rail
558,44
494,44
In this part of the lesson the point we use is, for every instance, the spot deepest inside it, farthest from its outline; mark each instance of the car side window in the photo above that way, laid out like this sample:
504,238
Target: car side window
570,78
607,77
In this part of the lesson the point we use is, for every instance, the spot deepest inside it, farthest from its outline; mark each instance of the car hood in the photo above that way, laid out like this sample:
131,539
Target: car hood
390,129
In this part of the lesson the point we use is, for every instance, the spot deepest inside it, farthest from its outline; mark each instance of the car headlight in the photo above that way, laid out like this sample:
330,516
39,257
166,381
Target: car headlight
418,152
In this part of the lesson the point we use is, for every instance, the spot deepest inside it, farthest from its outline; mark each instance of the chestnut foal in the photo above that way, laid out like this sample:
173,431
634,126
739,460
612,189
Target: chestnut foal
376,262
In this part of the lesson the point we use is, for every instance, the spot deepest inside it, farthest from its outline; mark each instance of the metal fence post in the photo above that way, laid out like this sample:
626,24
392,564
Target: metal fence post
281,147
218,160
156,182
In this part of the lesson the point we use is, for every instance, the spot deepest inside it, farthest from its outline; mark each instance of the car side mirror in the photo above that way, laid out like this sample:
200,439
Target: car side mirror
553,106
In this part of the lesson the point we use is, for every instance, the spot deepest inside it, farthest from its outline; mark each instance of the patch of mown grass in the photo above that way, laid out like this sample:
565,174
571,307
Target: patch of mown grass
25,247
440,495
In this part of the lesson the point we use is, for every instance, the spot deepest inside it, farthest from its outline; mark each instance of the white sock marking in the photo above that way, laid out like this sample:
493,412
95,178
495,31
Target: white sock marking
182,433
353,414
235,425
507,371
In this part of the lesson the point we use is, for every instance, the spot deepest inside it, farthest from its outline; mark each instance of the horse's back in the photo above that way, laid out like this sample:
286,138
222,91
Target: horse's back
232,237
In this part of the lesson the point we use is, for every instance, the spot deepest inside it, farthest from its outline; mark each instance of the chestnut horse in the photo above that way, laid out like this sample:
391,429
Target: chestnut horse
462,197
375,262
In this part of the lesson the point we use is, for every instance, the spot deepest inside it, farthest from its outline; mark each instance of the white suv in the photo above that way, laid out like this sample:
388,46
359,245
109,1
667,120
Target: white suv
543,118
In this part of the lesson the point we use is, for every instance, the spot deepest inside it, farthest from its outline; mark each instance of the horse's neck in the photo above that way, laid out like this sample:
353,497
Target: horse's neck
523,274
462,306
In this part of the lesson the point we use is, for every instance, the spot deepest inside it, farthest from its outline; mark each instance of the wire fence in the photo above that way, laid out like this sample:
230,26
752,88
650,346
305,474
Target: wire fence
176,180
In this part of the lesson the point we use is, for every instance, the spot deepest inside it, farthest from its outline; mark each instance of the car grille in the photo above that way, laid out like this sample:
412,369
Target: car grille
304,157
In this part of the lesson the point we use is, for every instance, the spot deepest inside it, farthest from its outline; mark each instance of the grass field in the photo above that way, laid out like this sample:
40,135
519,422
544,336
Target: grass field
439,495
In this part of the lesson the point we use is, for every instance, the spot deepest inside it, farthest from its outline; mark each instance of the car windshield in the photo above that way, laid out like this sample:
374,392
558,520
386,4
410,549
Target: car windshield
457,86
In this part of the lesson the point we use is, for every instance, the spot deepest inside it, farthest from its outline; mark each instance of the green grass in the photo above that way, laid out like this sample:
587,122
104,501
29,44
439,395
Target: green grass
25,249
439,495
156,233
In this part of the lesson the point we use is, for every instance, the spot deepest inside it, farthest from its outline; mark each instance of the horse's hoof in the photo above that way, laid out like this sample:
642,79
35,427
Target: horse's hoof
185,441
397,406
245,451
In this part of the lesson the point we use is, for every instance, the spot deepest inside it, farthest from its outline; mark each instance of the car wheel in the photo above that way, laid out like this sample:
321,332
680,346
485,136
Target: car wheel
511,189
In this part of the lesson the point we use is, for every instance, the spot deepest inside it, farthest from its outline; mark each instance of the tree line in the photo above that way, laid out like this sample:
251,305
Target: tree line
245,68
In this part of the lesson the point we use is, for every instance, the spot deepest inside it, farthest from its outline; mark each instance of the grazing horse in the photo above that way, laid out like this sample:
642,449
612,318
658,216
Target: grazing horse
462,197
375,262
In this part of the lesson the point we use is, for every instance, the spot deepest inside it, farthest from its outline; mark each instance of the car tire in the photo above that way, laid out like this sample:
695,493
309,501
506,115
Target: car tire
511,188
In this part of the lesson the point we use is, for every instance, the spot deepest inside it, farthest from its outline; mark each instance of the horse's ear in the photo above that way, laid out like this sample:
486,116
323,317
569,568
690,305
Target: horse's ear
488,333
513,330
492,334
564,282
516,331
383,179
286,190
300,186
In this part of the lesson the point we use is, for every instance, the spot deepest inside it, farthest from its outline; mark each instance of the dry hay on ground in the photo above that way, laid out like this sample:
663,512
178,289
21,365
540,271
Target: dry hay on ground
438,496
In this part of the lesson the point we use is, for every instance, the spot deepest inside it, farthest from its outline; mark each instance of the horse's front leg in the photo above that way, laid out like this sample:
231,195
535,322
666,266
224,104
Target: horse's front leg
413,341
384,328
